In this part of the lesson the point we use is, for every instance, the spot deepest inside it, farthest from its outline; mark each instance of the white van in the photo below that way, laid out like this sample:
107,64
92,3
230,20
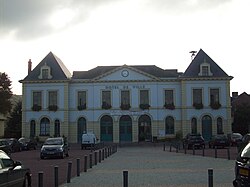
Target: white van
88,140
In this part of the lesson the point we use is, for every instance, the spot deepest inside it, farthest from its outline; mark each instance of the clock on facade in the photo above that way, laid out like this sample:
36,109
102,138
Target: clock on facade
125,73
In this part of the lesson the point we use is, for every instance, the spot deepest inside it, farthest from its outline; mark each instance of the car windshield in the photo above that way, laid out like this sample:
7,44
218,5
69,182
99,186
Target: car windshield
246,152
53,142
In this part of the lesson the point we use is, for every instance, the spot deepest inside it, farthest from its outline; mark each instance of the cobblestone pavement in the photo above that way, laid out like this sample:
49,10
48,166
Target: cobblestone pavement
151,166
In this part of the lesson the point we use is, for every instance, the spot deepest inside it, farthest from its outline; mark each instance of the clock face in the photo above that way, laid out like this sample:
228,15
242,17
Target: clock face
125,73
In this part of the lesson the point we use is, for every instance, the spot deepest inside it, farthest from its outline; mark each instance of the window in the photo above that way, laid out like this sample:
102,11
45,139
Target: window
45,73
205,69
125,99
214,99
169,99
194,126
197,98
44,127
106,99
53,100
169,125
81,100
37,101
219,126
144,99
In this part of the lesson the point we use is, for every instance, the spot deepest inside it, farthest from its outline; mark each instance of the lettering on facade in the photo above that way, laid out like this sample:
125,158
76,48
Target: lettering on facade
124,87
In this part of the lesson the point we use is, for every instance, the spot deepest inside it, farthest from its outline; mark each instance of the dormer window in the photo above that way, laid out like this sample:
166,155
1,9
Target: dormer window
205,69
45,72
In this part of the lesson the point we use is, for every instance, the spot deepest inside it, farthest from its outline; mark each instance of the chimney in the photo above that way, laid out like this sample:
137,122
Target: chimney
29,66
234,94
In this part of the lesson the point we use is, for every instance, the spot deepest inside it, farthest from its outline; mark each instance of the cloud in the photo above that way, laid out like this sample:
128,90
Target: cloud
28,19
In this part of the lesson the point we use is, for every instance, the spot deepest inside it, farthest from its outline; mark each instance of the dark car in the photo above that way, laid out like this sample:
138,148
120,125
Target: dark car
242,168
54,148
13,173
219,140
27,143
244,141
14,144
235,138
193,140
4,145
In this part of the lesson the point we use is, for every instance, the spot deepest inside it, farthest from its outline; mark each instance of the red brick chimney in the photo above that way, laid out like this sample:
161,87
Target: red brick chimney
29,66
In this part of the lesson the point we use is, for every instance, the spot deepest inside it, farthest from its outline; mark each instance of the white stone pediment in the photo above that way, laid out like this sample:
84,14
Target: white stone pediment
126,74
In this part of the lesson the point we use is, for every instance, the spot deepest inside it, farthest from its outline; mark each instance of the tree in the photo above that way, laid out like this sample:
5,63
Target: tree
14,122
242,119
5,93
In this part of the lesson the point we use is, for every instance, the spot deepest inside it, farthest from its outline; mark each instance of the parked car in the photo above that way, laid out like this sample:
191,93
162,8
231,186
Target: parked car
195,140
4,145
13,173
219,140
244,141
235,138
54,147
242,168
27,143
88,140
15,145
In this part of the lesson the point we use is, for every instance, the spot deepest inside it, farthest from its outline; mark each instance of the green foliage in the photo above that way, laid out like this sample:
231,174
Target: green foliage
5,93
14,122
241,119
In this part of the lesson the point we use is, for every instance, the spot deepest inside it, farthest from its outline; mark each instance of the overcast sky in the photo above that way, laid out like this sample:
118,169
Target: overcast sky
89,33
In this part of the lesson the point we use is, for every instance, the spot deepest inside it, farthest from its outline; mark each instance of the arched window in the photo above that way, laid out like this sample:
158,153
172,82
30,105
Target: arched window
32,128
44,127
169,125
57,128
219,126
194,126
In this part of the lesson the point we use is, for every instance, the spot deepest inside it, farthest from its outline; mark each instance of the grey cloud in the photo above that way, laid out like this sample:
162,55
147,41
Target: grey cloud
29,18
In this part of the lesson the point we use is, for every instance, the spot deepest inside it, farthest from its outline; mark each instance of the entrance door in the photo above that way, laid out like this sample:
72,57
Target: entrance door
81,128
125,129
206,127
106,129
144,126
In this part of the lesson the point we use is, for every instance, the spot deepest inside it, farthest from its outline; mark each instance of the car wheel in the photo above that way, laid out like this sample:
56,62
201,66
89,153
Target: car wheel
67,155
42,157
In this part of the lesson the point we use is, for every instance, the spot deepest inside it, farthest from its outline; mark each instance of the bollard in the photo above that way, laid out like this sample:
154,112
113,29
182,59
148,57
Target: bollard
210,177
215,152
85,163
56,176
69,171
185,149
100,156
193,150
170,149
164,147
203,151
40,179
95,158
177,148
125,178
78,167
90,160
228,153
105,152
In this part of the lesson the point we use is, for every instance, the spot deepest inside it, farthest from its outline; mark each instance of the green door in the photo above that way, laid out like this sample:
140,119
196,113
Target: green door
207,127
125,129
106,129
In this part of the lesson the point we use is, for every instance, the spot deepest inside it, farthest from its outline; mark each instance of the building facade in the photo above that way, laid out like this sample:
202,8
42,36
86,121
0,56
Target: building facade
126,103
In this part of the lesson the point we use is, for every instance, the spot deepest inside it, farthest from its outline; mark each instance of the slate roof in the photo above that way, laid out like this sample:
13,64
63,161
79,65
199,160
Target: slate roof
58,69
149,69
194,68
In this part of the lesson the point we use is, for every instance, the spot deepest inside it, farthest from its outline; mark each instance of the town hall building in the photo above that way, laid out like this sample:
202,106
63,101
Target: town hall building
127,103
